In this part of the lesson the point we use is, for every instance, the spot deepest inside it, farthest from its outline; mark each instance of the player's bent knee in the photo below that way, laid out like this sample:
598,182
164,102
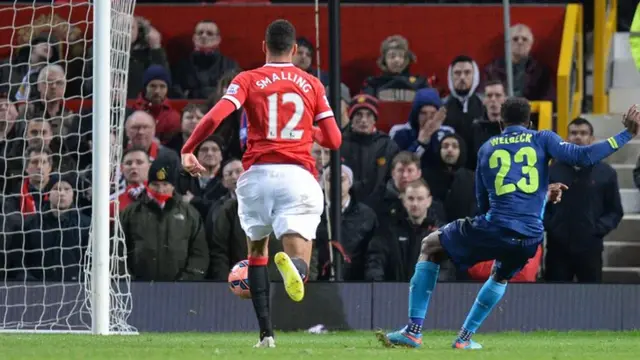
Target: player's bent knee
430,248
296,245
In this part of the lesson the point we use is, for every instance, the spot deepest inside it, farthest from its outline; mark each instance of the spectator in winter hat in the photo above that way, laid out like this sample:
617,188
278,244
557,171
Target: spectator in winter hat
395,83
153,99
303,59
165,236
367,151
55,241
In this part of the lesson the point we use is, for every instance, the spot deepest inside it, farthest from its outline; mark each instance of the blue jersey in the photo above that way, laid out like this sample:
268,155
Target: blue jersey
512,174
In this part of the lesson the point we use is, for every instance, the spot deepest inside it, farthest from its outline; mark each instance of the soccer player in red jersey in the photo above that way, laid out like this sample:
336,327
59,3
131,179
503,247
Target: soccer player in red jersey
279,191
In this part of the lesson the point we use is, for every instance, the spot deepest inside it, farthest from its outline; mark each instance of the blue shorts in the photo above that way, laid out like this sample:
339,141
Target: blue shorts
473,240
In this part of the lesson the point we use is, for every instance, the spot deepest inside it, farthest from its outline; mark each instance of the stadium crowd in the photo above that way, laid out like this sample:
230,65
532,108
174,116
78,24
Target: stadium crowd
396,187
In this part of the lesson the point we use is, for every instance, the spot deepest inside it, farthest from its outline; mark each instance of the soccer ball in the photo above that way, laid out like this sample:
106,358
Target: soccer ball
239,279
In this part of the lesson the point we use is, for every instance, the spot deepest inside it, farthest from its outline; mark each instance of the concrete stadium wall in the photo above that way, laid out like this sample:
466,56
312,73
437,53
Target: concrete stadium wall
207,307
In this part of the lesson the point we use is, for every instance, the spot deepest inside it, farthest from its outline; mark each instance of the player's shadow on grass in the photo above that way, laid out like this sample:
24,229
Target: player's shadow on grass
322,304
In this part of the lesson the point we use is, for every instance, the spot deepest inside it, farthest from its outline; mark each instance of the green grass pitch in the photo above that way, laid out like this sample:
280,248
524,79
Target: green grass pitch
301,346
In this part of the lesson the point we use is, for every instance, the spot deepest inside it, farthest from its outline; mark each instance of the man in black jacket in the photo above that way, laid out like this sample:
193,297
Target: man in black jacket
367,151
489,124
394,250
358,225
590,209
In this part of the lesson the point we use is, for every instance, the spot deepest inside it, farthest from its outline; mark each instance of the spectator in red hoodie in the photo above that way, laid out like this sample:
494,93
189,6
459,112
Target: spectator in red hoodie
154,100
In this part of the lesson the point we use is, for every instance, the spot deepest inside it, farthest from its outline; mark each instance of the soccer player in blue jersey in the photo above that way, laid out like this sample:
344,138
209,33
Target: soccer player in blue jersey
511,189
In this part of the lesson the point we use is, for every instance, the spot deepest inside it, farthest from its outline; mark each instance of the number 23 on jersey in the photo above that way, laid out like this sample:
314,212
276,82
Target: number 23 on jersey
528,183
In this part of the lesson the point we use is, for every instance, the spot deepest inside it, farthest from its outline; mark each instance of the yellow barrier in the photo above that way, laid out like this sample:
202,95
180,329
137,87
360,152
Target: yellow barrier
605,18
570,84
544,109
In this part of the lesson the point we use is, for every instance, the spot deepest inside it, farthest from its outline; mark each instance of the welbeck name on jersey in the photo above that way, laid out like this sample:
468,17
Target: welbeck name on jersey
294,78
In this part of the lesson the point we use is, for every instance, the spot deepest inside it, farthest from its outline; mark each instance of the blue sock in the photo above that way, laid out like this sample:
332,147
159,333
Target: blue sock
488,297
422,284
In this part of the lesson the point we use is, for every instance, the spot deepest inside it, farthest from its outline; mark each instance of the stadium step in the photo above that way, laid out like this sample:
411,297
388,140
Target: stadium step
621,275
625,175
627,231
618,254
630,201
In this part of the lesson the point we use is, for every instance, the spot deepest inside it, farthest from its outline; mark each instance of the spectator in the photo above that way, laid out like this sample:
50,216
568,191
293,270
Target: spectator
146,50
450,182
405,168
345,99
10,160
463,104
204,190
197,76
322,157
35,186
358,224
394,249
140,129
22,71
191,116
366,150
424,130
164,235
233,130
154,100
231,171
135,169
303,59
490,123
55,241
531,79
396,82
589,210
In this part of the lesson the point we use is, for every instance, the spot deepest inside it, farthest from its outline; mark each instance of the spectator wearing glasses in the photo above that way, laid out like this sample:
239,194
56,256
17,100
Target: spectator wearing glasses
197,76
531,79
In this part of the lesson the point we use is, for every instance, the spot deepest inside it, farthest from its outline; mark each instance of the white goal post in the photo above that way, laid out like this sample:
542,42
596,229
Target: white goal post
63,262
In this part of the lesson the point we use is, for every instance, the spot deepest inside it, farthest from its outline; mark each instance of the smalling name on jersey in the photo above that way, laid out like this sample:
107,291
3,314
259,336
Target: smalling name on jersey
294,78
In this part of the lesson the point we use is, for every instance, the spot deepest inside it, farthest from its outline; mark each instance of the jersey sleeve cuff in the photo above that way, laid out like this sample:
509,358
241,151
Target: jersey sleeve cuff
235,101
324,115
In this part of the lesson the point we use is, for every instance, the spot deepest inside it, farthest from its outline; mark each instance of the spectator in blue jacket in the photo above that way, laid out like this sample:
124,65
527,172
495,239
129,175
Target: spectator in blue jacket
423,131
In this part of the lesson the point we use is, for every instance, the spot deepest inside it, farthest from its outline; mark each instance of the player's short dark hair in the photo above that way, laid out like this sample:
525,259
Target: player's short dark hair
516,111
405,158
582,121
280,37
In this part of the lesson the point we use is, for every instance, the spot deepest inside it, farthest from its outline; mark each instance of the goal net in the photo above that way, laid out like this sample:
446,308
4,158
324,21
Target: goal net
62,259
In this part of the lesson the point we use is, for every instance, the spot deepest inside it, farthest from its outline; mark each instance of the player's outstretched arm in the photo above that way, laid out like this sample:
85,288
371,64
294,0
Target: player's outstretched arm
328,134
589,155
208,124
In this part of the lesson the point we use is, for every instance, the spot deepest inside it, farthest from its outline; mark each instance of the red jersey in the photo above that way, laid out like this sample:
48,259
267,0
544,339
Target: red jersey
282,102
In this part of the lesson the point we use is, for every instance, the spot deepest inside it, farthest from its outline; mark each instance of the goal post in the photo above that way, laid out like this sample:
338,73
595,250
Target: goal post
60,277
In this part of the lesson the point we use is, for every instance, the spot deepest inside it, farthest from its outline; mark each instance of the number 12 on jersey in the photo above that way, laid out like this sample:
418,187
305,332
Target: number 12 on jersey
289,131
528,183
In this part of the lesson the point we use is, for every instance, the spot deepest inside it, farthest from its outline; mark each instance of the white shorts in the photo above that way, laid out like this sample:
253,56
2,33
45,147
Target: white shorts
279,198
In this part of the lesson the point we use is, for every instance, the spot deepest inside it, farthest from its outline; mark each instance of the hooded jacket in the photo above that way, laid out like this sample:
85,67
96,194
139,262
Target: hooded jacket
406,135
462,109
453,185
